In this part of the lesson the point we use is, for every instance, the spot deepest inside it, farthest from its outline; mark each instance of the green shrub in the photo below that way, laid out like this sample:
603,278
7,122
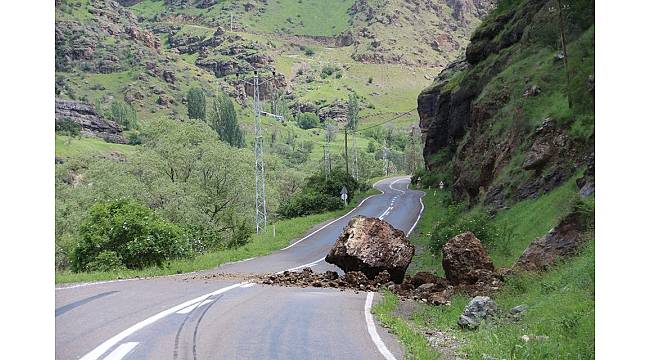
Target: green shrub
307,203
309,51
106,261
320,194
308,121
134,233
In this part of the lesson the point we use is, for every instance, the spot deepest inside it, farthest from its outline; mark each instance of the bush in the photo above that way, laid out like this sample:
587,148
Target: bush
309,51
126,233
308,121
106,261
320,195
307,203
327,71
454,223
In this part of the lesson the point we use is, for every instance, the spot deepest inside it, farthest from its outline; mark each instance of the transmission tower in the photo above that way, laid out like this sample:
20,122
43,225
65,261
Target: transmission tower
260,180
327,165
355,163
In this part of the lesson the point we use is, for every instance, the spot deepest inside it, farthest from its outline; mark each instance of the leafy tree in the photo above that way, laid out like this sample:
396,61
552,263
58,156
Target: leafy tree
372,146
353,111
123,114
196,104
224,120
308,120
330,132
127,232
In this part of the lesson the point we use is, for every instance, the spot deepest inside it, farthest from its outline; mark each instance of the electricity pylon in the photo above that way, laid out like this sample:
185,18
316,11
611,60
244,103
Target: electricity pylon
260,180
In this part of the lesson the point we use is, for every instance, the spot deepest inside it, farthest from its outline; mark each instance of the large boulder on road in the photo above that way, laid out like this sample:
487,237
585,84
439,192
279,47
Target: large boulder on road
462,256
371,246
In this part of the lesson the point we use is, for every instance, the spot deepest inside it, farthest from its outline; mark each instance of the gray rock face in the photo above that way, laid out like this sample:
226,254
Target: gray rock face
336,111
371,246
477,310
92,124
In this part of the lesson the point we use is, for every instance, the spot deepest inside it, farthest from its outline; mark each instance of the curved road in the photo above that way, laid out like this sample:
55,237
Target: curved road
198,317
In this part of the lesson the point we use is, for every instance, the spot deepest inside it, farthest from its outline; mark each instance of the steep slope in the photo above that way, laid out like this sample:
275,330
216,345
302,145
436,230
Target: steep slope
507,122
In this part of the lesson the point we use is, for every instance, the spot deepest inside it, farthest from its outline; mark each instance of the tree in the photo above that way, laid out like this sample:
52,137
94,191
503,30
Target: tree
223,120
308,120
196,104
330,132
124,114
353,111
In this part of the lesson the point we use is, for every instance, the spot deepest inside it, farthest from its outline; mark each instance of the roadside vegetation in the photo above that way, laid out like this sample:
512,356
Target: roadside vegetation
560,322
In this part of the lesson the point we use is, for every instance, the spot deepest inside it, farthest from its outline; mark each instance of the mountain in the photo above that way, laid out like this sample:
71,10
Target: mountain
514,118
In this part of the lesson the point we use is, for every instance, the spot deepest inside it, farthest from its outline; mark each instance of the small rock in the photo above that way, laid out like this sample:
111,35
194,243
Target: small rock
525,338
519,309
477,310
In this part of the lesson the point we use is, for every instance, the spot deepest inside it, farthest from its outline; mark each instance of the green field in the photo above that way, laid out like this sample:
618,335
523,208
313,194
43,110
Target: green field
66,146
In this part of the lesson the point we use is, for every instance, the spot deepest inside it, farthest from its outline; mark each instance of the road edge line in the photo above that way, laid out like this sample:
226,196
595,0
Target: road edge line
372,329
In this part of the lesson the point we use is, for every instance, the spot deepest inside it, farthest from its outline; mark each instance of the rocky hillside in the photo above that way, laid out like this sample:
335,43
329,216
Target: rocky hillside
412,32
509,121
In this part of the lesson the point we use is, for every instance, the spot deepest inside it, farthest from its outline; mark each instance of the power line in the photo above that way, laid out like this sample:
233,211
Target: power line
387,121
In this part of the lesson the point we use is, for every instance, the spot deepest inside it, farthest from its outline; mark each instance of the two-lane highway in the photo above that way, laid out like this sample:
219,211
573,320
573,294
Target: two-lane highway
182,317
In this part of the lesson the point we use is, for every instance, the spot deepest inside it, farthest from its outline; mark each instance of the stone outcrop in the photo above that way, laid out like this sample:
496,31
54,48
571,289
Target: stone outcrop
336,111
562,241
465,260
92,124
370,245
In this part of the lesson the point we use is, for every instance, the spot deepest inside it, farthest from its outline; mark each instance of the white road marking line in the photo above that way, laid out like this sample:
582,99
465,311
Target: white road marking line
103,347
94,283
328,224
393,183
121,351
418,219
189,309
372,330
381,217
302,266
106,345
247,285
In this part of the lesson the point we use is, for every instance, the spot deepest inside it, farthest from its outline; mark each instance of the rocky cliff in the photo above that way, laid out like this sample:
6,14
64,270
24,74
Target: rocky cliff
91,122
507,122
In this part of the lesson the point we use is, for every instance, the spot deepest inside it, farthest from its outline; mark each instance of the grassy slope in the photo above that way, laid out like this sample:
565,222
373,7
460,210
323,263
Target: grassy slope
286,231
561,301
66,147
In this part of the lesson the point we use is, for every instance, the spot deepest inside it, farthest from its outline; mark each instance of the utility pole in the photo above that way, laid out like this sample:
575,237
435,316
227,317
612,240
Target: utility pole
347,168
355,163
385,159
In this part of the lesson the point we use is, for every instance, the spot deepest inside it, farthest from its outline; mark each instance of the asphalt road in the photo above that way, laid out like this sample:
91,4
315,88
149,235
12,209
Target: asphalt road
191,317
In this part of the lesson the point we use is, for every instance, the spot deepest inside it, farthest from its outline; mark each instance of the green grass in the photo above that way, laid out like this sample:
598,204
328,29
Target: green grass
561,306
531,219
286,230
66,147
561,301
434,208
415,343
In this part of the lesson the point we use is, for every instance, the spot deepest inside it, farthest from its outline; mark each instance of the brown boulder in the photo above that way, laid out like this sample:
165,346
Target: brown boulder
562,241
371,246
462,255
